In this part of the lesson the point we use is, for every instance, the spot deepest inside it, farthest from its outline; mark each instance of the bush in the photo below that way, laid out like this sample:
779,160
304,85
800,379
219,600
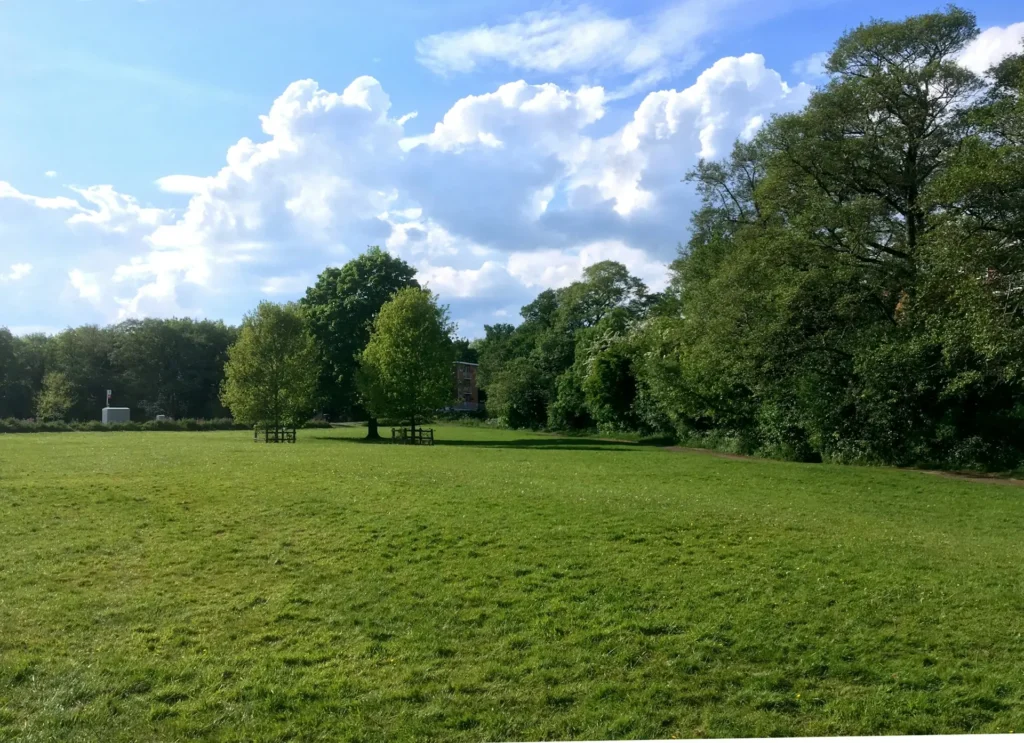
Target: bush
11,425
399,422
461,416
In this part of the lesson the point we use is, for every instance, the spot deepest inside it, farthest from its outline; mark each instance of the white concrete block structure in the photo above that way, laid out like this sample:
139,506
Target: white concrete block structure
116,415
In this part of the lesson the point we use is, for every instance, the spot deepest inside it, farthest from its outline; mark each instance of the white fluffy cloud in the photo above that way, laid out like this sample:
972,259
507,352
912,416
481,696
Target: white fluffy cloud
509,193
17,273
992,46
636,167
554,268
512,116
86,284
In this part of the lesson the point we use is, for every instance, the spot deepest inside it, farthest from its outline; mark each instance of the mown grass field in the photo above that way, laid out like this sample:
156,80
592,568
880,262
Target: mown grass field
498,586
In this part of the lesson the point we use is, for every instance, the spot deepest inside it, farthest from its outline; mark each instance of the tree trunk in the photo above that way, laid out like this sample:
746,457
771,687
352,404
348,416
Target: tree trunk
371,430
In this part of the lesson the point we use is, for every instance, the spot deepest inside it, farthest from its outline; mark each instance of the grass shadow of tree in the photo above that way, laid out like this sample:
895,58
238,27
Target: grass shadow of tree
563,443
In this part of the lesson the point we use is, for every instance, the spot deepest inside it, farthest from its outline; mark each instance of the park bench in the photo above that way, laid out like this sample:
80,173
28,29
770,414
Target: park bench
274,434
413,436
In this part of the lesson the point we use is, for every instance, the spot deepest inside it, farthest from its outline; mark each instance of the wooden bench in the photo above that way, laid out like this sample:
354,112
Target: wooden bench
274,434
413,436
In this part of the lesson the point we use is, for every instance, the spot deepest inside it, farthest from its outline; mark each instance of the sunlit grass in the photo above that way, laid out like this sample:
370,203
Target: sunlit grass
496,586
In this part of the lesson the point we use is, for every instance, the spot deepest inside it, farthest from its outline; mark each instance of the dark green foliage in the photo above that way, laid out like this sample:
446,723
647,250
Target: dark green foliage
169,367
467,351
568,410
172,367
83,357
21,374
13,425
565,365
340,309
851,289
521,395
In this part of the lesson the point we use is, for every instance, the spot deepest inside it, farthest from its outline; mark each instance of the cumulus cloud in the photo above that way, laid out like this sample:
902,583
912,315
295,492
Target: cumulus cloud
88,234
510,192
17,273
992,46
184,184
114,212
86,284
634,169
512,116
548,269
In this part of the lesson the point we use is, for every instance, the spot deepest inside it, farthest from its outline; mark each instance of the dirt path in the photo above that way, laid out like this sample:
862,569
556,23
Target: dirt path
968,477
987,479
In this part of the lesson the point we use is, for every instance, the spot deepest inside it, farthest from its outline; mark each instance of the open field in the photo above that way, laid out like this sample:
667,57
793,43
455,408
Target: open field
498,586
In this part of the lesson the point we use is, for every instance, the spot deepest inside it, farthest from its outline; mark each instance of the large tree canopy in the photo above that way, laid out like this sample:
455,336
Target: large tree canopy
535,374
406,370
848,280
341,308
271,373
171,367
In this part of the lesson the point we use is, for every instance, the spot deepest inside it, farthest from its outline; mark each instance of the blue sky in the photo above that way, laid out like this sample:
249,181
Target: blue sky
138,178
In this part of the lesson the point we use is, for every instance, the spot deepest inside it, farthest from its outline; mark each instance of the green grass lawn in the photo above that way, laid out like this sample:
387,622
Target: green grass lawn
498,586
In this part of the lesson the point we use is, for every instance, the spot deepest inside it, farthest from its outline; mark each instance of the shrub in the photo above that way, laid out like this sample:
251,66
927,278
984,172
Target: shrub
11,425
461,416
399,422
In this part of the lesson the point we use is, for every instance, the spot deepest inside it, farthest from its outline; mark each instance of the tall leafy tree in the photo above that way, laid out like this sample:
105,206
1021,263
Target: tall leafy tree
531,372
406,370
817,298
172,367
521,396
466,351
56,398
30,353
10,376
341,308
82,355
271,373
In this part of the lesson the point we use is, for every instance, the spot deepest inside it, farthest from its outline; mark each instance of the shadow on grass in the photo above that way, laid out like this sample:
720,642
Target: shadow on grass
565,443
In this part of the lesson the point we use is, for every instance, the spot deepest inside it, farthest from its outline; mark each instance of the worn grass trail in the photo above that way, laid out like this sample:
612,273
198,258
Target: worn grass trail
497,586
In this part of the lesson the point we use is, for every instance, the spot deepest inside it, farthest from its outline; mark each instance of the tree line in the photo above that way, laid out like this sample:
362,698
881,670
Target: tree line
365,340
852,290
169,367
